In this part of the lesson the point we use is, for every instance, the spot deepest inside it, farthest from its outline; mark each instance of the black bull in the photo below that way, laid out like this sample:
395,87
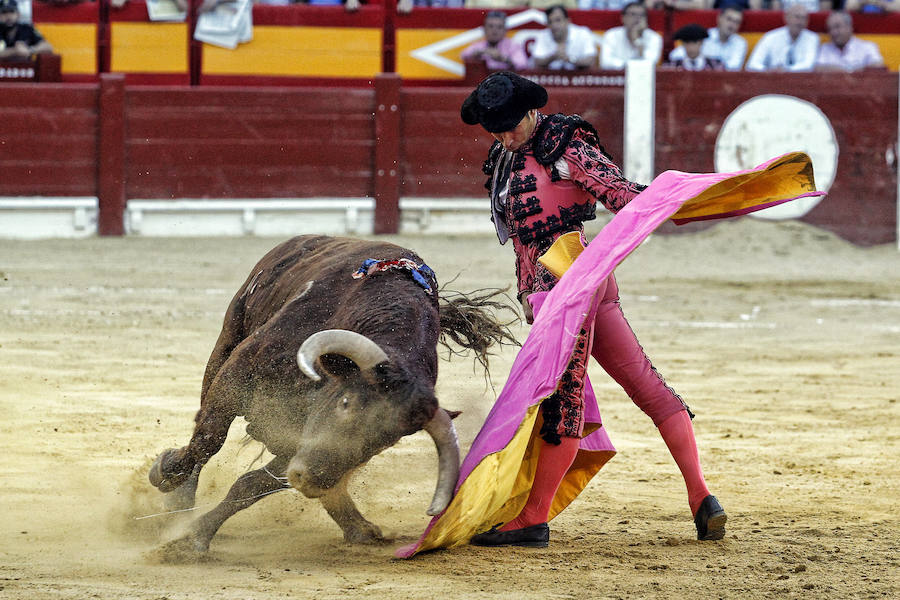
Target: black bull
328,370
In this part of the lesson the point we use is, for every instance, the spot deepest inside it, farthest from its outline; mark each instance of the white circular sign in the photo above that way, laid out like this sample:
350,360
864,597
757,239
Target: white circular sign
773,124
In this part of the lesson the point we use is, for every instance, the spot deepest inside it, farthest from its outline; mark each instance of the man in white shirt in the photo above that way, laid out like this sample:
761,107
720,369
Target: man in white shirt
845,51
563,46
790,48
723,44
633,40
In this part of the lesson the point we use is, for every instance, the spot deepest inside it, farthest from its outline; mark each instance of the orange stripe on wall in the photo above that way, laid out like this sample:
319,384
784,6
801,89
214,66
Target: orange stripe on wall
149,47
76,43
300,51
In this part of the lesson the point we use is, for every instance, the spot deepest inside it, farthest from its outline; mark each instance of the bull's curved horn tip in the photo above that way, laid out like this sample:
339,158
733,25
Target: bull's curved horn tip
306,368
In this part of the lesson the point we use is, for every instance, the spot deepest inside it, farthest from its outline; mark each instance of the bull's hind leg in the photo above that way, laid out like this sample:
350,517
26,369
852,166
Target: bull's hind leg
246,491
340,507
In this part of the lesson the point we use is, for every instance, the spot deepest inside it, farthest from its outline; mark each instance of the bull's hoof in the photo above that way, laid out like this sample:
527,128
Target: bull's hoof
187,549
184,496
366,534
166,474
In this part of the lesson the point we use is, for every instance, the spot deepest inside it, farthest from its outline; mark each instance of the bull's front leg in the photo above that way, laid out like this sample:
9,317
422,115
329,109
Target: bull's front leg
340,507
218,409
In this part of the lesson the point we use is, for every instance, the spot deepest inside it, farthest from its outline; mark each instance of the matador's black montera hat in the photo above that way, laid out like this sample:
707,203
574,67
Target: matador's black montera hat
501,100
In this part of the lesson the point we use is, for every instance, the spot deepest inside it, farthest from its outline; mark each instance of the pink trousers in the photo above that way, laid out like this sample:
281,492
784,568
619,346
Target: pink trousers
613,344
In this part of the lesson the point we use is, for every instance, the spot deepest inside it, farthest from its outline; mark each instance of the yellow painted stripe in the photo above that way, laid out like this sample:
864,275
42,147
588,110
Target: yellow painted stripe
149,47
300,51
76,43
889,46
412,39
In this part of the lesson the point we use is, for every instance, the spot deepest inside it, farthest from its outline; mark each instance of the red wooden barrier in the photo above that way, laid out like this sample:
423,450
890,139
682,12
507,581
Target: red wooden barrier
156,142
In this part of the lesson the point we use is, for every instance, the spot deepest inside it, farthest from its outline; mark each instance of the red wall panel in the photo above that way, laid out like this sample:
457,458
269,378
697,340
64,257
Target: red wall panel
238,143
49,140
442,157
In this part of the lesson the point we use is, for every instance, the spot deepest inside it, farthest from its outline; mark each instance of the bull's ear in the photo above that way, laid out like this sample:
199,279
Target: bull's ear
337,365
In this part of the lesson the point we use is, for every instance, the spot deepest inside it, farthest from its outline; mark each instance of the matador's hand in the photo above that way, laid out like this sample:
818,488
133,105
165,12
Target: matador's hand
526,307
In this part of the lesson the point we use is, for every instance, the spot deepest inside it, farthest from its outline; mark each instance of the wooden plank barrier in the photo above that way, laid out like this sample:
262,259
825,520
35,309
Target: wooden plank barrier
120,142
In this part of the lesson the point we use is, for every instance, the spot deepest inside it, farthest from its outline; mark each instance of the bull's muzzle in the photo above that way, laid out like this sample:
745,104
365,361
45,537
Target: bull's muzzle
441,430
298,475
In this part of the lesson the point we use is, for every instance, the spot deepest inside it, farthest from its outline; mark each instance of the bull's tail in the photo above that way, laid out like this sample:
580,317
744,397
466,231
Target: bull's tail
471,322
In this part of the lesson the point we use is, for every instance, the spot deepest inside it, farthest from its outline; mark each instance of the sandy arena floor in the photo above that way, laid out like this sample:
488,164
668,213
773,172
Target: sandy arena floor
781,337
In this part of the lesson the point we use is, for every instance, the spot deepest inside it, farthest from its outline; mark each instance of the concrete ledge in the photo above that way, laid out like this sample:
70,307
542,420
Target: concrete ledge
77,217
40,217
271,217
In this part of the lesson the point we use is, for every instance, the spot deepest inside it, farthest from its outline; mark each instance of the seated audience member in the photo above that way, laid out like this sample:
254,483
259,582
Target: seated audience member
496,50
789,48
19,40
545,4
810,5
403,6
845,51
563,45
633,40
722,43
690,57
872,6
601,4
495,4
438,3
676,4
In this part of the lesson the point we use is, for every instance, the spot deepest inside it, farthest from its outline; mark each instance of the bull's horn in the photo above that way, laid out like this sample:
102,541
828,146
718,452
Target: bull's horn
441,430
355,346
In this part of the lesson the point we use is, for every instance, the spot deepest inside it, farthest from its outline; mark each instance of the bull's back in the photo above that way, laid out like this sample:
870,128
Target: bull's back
306,284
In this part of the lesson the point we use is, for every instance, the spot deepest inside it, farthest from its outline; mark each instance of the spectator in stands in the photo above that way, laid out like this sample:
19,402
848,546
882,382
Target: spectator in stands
601,4
19,40
724,43
688,56
403,6
496,50
676,4
872,6
790,48
563,45
434,4
810,5
633,40
845,51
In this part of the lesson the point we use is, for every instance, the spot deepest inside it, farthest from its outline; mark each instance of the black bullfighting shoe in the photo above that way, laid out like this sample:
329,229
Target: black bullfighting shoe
710,519
533,536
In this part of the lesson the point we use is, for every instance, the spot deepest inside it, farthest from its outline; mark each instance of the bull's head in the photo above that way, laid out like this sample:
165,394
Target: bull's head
364,405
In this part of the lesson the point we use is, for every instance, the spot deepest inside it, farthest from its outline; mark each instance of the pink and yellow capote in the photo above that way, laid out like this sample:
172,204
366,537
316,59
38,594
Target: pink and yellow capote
497,473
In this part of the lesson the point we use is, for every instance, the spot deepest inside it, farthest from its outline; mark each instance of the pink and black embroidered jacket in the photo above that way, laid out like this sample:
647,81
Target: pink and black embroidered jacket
548,187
